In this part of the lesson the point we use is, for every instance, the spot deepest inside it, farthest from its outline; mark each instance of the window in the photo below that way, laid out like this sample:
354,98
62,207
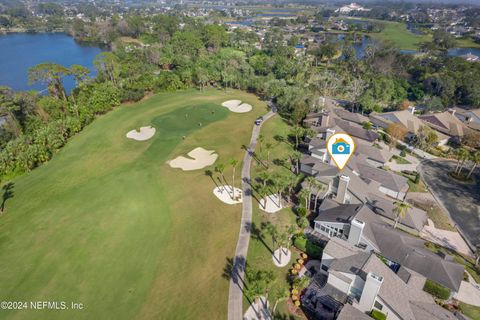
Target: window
378,305
322,227
324,268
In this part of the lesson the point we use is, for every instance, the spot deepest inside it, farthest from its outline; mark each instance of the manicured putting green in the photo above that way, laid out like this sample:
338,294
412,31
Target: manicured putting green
107,223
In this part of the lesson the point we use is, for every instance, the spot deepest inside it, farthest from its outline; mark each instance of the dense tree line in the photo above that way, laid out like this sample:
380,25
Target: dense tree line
170,53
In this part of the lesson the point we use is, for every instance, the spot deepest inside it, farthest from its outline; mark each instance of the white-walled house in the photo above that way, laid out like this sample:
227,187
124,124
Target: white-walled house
370,284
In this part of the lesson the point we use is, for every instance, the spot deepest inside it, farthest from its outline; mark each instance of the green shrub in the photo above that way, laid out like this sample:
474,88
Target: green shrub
378,315
417,178
403,153
300,243
436,289
310,248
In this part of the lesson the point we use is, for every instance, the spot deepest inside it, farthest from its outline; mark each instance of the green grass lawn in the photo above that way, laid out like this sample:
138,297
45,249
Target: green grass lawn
397,34
473,312
259,254
436,214
109,224
400,160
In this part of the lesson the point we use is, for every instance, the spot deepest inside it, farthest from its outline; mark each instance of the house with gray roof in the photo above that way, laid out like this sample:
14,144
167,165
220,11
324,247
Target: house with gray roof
391,184
446,123
358,225
407,119
370,284
470,117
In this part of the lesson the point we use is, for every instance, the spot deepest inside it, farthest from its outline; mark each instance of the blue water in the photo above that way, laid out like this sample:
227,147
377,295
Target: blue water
21,51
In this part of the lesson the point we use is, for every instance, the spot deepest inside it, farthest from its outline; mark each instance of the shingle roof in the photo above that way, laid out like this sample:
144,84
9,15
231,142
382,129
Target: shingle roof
387,179
407,299
380,155
394,291
414,218
446,123
349,312
404,117
331,211
356,130
429,311
410,252
350,116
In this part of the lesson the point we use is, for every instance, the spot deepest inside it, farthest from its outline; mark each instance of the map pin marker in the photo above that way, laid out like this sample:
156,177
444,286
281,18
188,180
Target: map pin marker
340,147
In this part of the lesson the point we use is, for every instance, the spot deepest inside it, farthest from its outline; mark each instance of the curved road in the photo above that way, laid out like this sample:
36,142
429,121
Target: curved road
235,293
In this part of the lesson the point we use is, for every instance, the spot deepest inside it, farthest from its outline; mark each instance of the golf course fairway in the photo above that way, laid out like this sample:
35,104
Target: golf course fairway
108,224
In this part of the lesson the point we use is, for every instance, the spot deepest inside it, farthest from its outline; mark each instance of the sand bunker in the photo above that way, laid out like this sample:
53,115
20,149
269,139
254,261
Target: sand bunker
225,194
272,205
145,133
199,159
237,106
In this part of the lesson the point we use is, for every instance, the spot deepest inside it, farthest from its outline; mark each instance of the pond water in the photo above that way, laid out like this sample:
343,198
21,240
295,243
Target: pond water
21,51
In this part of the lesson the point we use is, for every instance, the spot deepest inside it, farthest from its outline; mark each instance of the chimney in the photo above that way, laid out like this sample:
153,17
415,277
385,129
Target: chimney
329,133
451,111
342,188
411,109
356,231
325,120
370,291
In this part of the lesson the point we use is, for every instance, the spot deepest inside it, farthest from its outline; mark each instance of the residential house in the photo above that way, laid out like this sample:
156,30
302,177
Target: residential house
470,117
351,278
446,123
361,227
405,118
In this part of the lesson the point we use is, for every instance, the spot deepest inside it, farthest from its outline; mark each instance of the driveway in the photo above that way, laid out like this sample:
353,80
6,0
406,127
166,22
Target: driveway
461,200
469,292
445,238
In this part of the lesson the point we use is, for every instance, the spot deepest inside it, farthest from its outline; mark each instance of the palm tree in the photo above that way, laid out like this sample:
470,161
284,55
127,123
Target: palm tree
311,184
272,230
220,168
296,156
265,177
268,147
282,241
320,188
476,160
304,193
233,163
462,155
290,181
400,209
297,132
260,141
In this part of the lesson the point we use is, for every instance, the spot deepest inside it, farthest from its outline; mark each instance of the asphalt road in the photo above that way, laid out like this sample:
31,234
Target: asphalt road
461,200
235,293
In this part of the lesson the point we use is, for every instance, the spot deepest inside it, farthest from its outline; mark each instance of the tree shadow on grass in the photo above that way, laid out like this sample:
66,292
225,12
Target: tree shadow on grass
257,235
7,194
209,173
234,270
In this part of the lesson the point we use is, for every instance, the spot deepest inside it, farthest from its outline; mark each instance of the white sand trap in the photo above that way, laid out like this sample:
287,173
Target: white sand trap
145,133
199,159
237,106
286,256
272,205
225,194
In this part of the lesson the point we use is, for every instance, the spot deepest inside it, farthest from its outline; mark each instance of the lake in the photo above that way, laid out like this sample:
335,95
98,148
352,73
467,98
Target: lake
21,51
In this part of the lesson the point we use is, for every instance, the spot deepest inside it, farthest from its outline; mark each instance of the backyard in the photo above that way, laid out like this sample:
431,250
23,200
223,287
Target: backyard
107,223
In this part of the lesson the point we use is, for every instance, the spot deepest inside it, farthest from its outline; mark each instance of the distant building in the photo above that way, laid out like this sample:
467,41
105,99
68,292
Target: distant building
351,7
